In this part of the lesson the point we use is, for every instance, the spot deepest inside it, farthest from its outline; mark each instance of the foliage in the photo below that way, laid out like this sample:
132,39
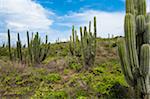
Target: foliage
74,63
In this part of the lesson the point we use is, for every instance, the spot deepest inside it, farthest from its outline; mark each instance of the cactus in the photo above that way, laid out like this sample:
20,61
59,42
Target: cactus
86,46
70,46
9,45
134,50
19,48
46,40
39,50
88,43
74,44
29,47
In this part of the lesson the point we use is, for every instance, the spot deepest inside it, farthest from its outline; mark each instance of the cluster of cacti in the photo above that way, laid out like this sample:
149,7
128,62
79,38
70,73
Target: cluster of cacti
37,51
134,51
86,46
74,45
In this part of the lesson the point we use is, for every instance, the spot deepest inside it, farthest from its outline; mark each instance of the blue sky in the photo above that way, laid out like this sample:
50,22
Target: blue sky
62,7
56,17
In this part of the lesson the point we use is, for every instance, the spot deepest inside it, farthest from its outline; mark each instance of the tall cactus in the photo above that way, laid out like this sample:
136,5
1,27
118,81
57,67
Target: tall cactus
86,46
74,45
9,45
19,48
134,51
39,50
29,47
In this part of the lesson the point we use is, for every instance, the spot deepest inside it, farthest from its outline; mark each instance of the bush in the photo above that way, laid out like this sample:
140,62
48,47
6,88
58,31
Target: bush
74,64
44,91
82,97
52,77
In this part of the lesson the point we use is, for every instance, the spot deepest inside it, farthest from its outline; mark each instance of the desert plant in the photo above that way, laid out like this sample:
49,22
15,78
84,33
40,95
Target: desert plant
88,45
38,49
9,45
29,47
134,51
74,45
19,49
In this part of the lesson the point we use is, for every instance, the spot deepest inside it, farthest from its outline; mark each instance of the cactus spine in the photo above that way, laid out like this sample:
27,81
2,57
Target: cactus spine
9,45
134,51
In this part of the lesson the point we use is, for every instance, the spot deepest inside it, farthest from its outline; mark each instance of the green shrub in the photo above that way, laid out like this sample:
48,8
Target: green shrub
98,70
56,95
74,64
81,97
44,91
66,71
52,77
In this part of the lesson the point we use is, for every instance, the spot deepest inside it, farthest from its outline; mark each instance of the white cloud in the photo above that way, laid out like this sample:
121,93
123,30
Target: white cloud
148,5
107,22
22,15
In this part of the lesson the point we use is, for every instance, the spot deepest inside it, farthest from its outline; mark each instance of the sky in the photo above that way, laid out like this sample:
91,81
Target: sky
56,17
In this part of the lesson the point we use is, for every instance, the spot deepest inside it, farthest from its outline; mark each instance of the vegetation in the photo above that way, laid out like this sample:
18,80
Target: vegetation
84,48
61,76
135,50
82,68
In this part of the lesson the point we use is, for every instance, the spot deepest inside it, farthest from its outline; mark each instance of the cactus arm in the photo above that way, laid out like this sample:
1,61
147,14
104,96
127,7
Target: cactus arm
148,18
140,26
124,62
145,68
130,7
131,41
90,27
145,59
46,40
95,29
147,34
141,7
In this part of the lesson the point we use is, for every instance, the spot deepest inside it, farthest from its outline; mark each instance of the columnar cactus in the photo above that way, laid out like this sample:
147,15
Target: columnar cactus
88,45
39,51
74,45
9,45
19,48
134,51
46,39
29,47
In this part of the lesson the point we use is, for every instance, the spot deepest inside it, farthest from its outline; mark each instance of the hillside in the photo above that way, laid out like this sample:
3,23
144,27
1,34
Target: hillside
60,75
